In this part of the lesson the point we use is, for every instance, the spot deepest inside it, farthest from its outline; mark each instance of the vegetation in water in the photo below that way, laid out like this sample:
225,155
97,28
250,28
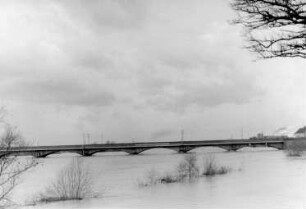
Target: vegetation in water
211,168
295,148
186,170
74,182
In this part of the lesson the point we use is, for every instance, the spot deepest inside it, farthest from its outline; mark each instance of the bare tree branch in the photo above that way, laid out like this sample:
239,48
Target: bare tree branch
11,167
273,28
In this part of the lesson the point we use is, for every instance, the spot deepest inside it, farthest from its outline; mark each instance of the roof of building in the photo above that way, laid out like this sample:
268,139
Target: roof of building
301,130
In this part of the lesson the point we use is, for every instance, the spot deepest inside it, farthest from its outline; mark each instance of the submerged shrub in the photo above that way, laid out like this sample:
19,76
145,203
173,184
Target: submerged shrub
152,177
295,148
294,153
188,168
211,168
74,182
168,178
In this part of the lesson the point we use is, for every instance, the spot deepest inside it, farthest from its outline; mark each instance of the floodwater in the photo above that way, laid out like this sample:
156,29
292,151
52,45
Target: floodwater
263,179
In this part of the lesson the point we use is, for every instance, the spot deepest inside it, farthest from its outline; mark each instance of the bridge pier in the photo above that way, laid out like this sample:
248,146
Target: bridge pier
184,149
233,147
42,154
279,146
134,151
86,153
228,148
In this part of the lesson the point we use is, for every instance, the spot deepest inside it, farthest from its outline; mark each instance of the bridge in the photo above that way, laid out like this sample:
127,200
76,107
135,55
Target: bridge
137,148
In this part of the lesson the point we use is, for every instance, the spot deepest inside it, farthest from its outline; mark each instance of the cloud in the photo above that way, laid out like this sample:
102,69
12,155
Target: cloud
98,15
190,74
165,133
59,91
131,68
138,53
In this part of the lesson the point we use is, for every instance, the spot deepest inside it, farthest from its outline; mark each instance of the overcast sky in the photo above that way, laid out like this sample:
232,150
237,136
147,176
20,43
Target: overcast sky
139,70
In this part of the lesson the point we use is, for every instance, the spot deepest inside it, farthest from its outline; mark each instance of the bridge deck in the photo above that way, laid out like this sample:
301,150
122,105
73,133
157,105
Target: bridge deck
147,145
136,148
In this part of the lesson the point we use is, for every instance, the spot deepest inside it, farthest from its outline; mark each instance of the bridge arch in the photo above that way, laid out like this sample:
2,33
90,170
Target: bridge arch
201,149
134,151
233,147
164,150
278,146
42,154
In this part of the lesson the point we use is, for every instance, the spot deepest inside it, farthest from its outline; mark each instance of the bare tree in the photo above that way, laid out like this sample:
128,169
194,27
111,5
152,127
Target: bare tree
274,28
11,167
74,182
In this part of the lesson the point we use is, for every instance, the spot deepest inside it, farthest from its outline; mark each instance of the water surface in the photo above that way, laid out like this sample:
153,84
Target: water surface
259,179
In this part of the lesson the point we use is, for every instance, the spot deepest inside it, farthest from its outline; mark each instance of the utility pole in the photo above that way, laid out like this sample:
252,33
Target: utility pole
182,135
242,133
88,138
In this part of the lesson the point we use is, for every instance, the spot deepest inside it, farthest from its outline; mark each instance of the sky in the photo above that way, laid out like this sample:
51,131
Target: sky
139,70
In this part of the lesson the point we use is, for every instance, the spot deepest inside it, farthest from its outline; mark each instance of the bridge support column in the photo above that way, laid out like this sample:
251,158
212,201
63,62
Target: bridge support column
134,151
279,146
41,154
232,147
184,149
85,153
228,148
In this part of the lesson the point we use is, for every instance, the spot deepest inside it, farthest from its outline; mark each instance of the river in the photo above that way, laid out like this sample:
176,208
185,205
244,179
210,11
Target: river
259,178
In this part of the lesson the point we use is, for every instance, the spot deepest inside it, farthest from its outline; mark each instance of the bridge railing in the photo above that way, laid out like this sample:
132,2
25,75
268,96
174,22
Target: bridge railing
144,145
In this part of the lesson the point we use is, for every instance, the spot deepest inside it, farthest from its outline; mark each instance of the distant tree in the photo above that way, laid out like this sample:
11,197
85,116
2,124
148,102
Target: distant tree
11,167
273,28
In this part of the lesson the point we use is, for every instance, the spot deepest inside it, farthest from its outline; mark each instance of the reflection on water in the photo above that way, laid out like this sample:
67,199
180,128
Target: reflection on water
260,179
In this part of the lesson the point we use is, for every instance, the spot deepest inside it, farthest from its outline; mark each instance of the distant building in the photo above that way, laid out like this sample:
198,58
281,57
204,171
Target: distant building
301,132
261,136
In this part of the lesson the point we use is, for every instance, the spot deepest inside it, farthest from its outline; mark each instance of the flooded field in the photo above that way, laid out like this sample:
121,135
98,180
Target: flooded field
258,179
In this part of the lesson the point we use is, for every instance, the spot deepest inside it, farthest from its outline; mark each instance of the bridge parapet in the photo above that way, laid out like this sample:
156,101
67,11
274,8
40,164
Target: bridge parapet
137,148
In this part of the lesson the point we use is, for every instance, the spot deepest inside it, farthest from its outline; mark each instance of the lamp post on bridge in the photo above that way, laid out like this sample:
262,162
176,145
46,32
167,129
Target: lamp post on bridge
182,135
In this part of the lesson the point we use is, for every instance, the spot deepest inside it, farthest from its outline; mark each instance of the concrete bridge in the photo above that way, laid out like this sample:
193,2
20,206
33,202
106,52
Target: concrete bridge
136,148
